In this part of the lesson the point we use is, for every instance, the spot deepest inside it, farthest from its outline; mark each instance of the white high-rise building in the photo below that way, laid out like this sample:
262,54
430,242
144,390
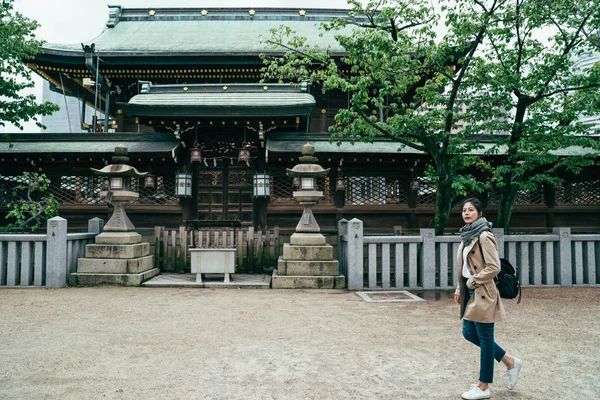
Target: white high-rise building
584,61
69,112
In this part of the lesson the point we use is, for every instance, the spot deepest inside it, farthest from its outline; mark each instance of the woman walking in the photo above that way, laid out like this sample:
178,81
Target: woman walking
480,304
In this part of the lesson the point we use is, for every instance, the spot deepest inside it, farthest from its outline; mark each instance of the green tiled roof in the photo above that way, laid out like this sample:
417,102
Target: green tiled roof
87,143
385,147
220,101
187,31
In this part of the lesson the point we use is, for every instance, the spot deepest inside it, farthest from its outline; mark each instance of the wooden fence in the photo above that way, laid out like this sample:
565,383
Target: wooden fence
257,251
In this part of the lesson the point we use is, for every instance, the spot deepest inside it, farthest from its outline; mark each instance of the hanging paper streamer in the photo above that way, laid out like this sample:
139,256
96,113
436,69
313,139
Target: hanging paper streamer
205,163
214,162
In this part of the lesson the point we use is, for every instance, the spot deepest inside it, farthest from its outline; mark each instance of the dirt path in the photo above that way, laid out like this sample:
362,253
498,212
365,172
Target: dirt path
150,343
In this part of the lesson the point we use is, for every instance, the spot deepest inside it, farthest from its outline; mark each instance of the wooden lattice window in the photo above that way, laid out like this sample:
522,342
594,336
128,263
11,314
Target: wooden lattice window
375,190
426,191
583,192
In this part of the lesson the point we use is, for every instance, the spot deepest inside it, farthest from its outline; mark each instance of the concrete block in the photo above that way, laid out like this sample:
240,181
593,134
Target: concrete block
307,268
118,238
307,253
117,251
115,265
90,279
339,282
308,239
302,282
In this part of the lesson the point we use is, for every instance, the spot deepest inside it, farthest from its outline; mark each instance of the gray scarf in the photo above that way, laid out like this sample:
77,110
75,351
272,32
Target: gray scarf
474,229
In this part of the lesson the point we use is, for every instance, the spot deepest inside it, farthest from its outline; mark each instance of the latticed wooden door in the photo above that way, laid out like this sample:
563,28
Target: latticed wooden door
225,194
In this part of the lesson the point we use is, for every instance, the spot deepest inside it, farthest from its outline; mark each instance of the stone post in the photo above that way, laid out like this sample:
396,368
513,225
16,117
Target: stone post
342,230
428,259
96,225
499,235
565,270
56,253
355,254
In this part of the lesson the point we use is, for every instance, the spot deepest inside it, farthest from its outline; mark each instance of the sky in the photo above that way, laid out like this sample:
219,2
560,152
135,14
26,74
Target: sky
76,21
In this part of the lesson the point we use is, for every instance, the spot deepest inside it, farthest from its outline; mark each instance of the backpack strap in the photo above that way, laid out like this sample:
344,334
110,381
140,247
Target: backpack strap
485,262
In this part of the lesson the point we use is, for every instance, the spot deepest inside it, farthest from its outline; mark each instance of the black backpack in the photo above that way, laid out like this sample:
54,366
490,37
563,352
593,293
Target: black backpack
507,283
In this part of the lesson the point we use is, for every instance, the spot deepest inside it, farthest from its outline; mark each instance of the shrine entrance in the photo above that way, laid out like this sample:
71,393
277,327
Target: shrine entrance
225,193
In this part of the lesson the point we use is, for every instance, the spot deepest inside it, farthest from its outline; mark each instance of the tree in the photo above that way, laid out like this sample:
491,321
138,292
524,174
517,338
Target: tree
405,82
30,204
527,83
17,43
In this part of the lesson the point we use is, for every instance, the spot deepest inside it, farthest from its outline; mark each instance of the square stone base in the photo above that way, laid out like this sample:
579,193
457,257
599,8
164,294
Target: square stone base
115,265
91,279
307,282
308,268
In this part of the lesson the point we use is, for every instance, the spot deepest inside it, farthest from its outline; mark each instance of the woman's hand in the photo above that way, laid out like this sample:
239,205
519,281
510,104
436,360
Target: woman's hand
456,299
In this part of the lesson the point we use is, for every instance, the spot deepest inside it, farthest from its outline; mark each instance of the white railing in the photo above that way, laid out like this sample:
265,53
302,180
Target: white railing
34,260
428,261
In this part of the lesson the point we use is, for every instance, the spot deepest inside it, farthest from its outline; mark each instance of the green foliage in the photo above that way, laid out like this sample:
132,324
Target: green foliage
18,44
524,87
404,82
31,206
493,75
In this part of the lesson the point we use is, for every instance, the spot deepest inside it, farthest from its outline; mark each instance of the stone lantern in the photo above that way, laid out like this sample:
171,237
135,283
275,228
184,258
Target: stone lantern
119,193
307,194
118,256
307,261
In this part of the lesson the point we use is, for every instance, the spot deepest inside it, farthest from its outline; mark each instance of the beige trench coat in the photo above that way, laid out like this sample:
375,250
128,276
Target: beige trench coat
485,304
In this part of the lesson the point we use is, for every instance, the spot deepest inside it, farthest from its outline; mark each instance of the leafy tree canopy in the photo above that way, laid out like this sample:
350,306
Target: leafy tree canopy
446,90
17,43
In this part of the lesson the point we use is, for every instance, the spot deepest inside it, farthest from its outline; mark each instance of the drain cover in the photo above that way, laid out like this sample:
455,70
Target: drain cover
400,296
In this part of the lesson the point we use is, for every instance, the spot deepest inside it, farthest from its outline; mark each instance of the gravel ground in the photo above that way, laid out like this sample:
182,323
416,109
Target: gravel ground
163,343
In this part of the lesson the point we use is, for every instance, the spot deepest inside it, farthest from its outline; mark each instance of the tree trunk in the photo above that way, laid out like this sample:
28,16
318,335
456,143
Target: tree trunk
443,196
443,205
506,206
508,192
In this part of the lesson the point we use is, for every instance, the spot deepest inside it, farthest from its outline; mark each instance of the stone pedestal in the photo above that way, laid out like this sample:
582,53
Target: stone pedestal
117,258
307,263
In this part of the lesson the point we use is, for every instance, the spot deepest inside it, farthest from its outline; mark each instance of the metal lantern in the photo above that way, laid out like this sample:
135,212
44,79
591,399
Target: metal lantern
244,155
340,182
195,155
149,181
414,185
262,185
183,185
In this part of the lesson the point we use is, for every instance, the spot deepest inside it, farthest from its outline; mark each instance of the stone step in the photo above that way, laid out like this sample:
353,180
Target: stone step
115,265
307,282
91,279
118,238
307,253
117,250
316,268
307,239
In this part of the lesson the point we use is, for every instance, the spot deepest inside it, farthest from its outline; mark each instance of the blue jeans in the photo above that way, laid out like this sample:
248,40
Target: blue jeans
482,334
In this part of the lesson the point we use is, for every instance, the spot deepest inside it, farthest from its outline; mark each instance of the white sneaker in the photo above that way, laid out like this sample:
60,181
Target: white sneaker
476,393
513,374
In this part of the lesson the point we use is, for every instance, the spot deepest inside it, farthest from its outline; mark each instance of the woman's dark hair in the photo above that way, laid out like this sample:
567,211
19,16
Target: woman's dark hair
476,203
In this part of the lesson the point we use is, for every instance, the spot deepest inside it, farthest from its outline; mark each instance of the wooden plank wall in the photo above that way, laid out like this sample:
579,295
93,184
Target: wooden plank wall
257,251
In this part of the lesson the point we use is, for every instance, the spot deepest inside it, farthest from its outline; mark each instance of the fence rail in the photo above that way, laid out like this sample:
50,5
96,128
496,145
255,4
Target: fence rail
33,260
429,262
256,250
